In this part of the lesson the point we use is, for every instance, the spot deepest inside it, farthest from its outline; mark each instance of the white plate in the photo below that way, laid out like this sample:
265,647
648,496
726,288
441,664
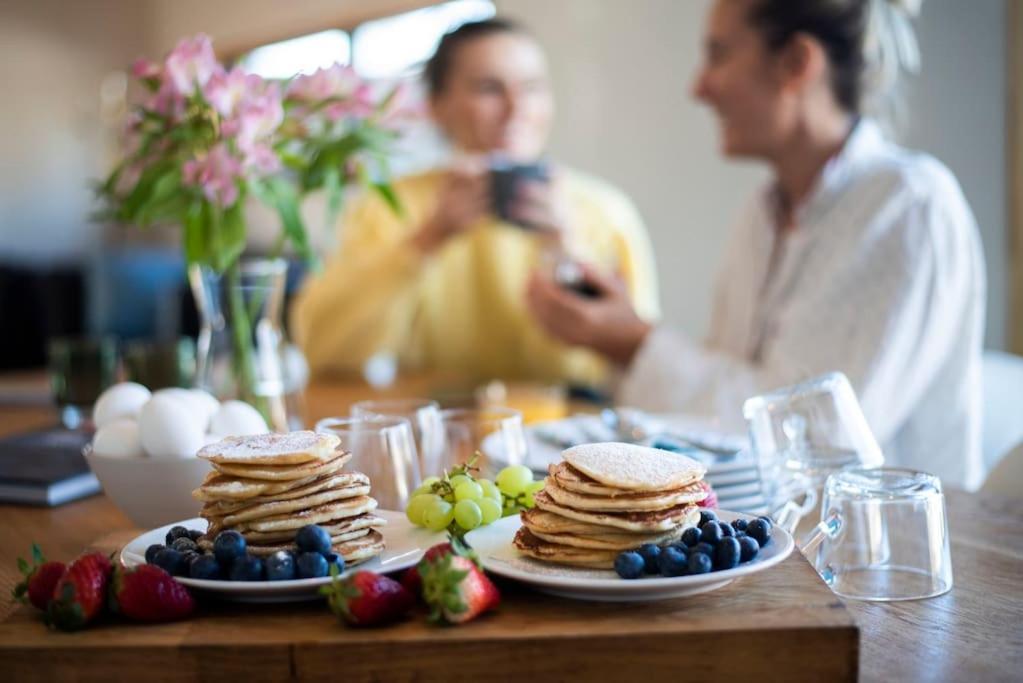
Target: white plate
493,543
405,545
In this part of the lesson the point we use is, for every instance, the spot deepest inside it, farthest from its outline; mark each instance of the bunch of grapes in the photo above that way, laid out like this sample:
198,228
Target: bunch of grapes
459,502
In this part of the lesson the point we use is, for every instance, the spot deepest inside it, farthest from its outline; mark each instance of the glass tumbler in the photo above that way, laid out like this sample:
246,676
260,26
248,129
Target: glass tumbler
495,432
424,417
883,535
80,370
382,448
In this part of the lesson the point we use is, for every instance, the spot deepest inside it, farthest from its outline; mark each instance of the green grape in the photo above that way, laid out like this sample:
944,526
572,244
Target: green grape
490,508
438,514
513,480
459,479
531,491
468,490
430,481
468,514
490,490
416,506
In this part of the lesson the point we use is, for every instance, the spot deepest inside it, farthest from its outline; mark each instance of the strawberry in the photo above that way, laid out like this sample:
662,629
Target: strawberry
80,593
456,589
40,579
148,593
411,579
367,599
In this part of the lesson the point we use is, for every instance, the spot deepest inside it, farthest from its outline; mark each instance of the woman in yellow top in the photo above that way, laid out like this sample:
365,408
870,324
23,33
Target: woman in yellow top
443,286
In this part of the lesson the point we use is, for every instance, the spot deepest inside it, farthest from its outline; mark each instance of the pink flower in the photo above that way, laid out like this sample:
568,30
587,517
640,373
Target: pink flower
336,81
216,173
259,115
226,91
261,160
166,101
191,64
143,68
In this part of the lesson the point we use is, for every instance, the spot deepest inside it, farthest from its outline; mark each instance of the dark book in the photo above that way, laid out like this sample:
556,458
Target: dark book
45,468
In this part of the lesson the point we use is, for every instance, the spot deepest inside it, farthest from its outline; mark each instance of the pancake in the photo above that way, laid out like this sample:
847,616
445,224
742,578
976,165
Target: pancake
271,449
336,529
219,486
549,522
327,482
641,522
631,502
369,544
634,468
264,510
329,512
539,549
574,480
316,468
619,541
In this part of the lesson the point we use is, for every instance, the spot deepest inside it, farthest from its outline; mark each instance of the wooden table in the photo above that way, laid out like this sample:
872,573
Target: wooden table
974,633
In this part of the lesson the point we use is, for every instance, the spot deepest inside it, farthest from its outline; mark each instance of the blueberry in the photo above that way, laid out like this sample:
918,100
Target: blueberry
152,550
280,566
711,533
707,515
228,546
705,548
176,532
205,567
313,539
691,536
190,556
335,559
311,566
760,530
727,554
767,520
195,535
673,562
726,529
649,552
171,561
699,563
629,564
740,524
246,568
184,544
748,548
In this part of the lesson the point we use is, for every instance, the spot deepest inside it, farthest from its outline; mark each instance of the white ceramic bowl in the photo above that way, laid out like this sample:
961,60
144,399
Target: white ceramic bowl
150,491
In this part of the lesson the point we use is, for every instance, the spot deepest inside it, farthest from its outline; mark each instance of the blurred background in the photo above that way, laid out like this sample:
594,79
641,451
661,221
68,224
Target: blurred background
622,71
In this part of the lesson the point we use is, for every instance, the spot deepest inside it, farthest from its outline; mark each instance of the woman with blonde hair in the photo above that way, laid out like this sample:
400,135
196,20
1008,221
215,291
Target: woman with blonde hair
858,256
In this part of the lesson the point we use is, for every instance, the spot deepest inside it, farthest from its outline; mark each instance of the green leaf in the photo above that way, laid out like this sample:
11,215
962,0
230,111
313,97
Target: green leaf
232,234
335,193
195,234
387,193
284,198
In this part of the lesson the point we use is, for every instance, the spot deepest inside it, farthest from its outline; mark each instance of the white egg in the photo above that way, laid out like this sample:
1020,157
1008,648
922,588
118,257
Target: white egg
121,400
120,439
236,418
169,428
200,403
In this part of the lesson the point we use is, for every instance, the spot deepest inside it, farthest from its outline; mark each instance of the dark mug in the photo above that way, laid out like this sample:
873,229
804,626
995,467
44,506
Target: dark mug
505,180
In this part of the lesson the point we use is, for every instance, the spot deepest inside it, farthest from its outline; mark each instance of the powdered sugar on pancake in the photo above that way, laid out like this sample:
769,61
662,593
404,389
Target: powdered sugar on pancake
637,468
271,448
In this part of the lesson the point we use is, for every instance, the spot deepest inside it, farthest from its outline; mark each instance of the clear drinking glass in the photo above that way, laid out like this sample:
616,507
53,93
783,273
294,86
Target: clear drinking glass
883,535
494,432
427,428
384,450
80,369
802,434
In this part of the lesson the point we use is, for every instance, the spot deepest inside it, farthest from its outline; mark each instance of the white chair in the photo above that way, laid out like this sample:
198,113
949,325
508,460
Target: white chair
1003,405
1006,479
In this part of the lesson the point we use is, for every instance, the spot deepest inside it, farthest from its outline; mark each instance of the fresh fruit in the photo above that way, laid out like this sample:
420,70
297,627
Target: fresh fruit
195,534
490,509
514,479
247,568
456,589
438,514
459,479
175,532
629,564
760,530
79,595
699,563
705,548
673,562
711,532
228,546
490,490
468,514
531,490
313,539
184,544
411,580
335,560
767,520
171,561
748,548
311,565
707,516
40,579
367,599
468,490
416,507
148,593
650,553
152,550
280,566
205,567
740,524
726,530
726,555
691,536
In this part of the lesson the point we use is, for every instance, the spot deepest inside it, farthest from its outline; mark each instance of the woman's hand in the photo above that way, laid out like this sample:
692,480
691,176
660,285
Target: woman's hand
606,323
542,206
464,199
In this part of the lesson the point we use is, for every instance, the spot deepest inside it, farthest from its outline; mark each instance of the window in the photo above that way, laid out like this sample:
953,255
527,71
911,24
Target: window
301,55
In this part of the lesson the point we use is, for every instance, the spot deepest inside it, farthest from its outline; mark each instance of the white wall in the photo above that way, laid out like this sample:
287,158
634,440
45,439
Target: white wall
622,71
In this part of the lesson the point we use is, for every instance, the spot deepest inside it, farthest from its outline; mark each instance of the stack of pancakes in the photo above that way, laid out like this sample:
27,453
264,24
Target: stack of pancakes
269,486
604,498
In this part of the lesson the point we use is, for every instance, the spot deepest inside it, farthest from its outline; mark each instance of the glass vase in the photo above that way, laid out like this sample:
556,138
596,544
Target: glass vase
240,344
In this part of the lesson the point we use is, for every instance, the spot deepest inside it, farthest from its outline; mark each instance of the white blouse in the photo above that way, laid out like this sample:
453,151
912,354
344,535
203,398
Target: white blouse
882,279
